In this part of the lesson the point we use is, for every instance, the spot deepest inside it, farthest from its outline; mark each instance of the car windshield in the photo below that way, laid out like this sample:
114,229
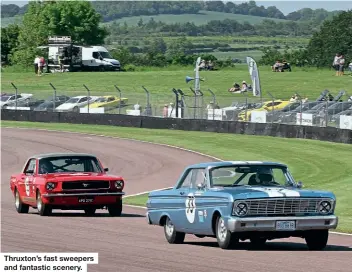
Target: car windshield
252,175
5,98
72,100
105,55
69,164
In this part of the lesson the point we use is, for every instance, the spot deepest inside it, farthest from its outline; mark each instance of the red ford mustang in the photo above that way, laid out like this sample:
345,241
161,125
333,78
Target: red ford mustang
66,181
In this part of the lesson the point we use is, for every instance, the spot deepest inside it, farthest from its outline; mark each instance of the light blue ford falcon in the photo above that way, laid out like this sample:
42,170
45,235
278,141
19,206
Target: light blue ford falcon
240,200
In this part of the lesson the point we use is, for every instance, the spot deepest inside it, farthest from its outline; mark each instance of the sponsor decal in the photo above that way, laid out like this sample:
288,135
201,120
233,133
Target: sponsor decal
201,216
190,207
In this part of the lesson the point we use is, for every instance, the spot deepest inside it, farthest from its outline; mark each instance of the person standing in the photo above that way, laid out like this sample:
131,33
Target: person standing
341,65
36,63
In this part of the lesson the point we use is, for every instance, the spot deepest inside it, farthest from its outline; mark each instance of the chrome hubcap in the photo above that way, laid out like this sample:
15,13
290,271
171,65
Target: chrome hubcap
39,204
169,227
222,231
17,200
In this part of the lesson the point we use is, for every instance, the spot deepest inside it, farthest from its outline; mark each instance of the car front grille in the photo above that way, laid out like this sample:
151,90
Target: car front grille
283,206
85,185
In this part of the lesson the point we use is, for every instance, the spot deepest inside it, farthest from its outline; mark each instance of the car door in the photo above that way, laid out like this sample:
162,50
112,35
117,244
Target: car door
83,101
25,183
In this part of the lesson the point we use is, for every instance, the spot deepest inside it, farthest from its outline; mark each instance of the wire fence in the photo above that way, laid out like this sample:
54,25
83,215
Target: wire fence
177,103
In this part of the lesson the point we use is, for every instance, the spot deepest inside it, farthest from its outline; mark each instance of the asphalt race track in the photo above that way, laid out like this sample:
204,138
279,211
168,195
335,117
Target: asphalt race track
128,243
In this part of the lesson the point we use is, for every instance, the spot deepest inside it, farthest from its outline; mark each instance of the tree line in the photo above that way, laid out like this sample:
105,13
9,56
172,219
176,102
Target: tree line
112,10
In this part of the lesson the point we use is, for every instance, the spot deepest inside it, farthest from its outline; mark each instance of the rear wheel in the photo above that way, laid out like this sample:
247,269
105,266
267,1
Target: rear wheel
225,238
90,211
115,209
317,239
171,235
43,209
20,206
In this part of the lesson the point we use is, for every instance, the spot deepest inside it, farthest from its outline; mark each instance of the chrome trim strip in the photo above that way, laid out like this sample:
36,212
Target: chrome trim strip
85,194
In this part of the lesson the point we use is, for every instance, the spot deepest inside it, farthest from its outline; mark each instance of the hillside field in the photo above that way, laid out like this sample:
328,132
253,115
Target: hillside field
307,82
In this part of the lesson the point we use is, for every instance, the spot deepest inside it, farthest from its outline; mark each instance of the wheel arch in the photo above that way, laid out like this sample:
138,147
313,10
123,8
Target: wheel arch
162,219
214,218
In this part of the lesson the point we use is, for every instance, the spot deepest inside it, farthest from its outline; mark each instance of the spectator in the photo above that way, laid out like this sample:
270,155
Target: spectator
341,65
42,64
350,66
276,66
244,87
335,63
36,62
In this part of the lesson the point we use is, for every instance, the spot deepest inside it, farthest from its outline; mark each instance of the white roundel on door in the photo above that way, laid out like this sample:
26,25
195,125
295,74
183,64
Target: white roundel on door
26,184
190,207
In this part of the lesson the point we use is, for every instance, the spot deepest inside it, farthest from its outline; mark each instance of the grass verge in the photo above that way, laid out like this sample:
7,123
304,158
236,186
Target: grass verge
320,165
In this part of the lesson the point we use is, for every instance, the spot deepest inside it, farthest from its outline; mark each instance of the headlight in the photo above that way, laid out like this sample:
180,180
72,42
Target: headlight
325,207
50,186
240,209
119,184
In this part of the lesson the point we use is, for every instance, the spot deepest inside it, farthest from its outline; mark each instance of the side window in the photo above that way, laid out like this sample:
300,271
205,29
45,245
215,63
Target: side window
30,166
269,105
193,178
96,55
12,98
83,99
111,99
277,103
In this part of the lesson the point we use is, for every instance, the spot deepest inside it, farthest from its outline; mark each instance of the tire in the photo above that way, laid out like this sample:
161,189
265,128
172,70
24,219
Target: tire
317,239
90,211
258,242
75,109
171,235
115,209
20,206
43,209
225,238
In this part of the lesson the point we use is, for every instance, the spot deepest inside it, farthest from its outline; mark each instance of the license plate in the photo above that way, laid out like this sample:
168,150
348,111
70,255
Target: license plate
285,225
85,199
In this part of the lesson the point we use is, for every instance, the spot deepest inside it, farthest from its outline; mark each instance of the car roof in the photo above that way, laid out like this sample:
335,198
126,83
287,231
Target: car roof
234,163
49,155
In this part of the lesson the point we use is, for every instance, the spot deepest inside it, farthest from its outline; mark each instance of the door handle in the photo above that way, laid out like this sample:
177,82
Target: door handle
182,193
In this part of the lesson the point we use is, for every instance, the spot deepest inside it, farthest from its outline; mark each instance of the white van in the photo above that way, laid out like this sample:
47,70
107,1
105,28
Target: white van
98,58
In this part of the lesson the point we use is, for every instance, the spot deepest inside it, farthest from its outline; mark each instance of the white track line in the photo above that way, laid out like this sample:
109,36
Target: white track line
141,141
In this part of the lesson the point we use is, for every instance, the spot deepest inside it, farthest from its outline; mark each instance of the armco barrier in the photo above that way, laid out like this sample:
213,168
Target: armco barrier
265,129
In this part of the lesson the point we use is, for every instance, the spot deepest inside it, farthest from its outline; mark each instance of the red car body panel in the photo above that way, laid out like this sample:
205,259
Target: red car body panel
103,188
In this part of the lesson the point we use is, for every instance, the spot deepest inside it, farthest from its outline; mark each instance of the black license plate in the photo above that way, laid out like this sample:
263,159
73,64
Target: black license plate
86,199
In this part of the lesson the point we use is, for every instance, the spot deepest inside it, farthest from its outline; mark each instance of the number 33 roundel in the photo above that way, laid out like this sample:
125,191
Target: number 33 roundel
190,208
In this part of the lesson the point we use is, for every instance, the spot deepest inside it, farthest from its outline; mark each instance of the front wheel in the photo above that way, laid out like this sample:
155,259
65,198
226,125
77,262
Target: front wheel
171,235
115,209
20,206
225,238
317,239
43,209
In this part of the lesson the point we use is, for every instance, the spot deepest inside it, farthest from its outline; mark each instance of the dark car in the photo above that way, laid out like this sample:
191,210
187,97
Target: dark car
48,105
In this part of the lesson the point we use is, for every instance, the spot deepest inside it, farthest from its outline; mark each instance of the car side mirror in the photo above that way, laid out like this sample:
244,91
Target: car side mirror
106,169
200,186
300,184
29,172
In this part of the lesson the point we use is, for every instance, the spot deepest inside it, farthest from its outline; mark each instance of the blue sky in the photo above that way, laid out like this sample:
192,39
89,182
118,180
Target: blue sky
283,5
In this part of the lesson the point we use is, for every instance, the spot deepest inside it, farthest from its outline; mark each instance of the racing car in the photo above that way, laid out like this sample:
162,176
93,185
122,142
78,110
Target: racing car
66,181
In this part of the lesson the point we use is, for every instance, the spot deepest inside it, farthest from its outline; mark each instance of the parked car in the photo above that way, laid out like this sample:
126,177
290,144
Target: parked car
9,100
291,116
261,202
266,106
48,105
108,101
66,181
74,103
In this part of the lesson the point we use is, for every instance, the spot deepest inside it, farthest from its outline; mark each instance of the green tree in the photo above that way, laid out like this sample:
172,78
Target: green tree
9,40
77,19
334,36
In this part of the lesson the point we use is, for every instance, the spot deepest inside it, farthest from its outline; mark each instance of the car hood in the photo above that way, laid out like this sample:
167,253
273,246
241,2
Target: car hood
79,176
66,106
250,192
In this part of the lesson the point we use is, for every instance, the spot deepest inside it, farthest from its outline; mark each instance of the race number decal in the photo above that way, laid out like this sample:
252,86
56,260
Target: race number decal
190,208
26,184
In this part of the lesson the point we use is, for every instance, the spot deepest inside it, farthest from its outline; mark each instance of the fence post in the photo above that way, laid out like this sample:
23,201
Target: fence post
54,101
88,94
272,106
201,104
119,91
16,93
214,102
195,103
183,103
176,96
148,110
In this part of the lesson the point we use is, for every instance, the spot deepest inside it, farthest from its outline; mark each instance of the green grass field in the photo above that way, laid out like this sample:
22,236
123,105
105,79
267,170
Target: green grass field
201,18
310,83
320,165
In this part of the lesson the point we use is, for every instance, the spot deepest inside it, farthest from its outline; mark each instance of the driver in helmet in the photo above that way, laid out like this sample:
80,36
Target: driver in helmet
264,176
45,167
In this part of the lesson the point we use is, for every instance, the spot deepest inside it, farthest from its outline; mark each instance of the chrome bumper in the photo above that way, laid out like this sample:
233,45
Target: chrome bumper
84,194
269,223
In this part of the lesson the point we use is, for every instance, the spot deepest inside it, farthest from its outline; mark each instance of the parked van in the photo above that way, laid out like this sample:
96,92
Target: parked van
98,58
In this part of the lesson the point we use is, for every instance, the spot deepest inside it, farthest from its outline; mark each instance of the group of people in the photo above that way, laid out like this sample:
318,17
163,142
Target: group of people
281,66
240,89
339,64
297,98
39,63
206,65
